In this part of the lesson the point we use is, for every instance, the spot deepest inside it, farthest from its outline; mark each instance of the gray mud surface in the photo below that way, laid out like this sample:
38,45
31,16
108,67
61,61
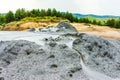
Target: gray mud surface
62,54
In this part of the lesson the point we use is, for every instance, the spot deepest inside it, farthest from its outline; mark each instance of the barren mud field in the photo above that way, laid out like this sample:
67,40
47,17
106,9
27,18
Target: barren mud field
58,53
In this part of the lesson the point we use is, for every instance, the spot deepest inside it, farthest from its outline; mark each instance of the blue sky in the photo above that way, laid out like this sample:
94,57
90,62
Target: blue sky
99,7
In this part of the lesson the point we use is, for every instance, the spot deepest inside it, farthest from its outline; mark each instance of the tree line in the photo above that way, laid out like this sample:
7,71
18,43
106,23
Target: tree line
113,22
22,13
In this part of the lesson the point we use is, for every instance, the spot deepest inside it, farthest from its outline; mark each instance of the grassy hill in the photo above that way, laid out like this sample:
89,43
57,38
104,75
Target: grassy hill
52,15
94,16
31,22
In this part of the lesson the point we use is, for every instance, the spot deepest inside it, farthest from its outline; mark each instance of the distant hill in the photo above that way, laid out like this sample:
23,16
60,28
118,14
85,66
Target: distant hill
94,16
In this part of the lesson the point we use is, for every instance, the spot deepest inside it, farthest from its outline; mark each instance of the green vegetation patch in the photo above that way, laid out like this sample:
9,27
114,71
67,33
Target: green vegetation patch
52,15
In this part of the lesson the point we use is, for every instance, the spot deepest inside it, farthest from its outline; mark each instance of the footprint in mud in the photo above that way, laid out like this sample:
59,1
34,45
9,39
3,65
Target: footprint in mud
2,78
0,70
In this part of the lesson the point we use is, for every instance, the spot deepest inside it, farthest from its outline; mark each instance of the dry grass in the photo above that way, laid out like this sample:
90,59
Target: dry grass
27,25
102,31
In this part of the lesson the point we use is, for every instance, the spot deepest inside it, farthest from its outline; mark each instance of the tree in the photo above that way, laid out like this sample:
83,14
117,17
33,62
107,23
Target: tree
59,14
75,19
94,22
86,20
2,19
99,23
111,22
29,14
10,16
54,12
69,16
117,23
35,12
80,20
43,13
20,13
49,12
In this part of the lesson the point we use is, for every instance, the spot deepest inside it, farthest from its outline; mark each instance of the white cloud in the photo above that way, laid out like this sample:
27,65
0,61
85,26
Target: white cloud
111,7
6,5
87,6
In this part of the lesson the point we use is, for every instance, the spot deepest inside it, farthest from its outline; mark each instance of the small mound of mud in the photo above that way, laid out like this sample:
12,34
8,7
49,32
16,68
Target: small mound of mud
31,30
62,27
23,60
66,26
9,50
100,54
